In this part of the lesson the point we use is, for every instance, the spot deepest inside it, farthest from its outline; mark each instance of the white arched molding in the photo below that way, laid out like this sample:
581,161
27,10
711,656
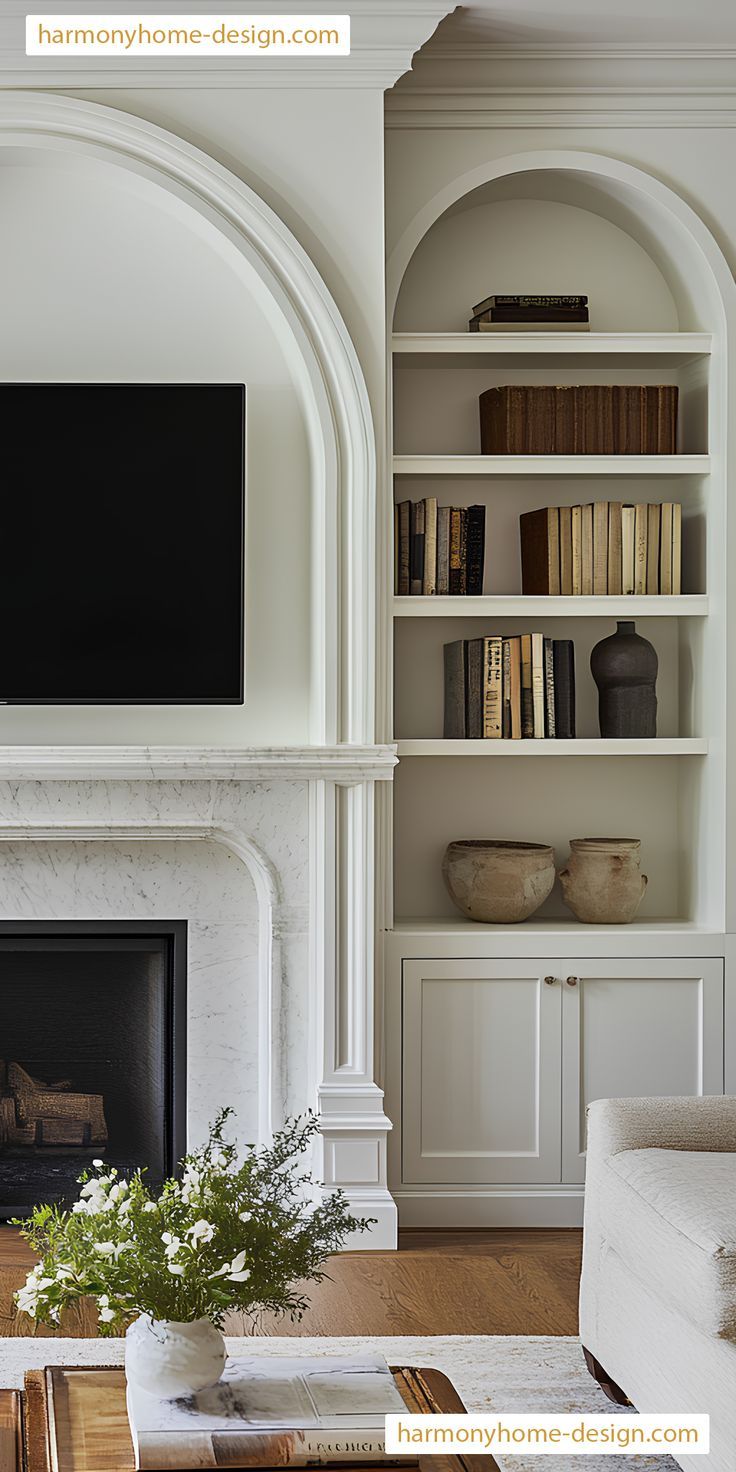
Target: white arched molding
334,396
343,489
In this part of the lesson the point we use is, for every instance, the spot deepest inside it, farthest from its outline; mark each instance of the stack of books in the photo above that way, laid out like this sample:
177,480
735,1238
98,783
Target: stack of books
579,419
531,314
606,548
509,688
439,550
270,1413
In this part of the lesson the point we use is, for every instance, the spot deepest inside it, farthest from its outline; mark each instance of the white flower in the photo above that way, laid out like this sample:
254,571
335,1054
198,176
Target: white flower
150,1206
202,1231
222,1160
118,1190
173,1244
97,1164
63,1273
105,1313
245,1216
105,1249
175,1267
235,1271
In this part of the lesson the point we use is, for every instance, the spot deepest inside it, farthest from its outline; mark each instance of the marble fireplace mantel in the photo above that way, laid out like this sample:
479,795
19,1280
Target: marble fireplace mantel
282,967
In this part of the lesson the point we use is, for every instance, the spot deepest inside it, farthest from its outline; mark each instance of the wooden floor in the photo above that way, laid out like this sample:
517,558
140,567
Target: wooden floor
495,1282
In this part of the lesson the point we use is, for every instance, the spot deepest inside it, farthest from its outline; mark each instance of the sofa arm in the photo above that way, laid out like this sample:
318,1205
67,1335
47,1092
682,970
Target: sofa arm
707,1123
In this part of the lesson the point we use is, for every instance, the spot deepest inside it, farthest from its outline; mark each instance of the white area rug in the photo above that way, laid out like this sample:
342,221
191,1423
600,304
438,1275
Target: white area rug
490,1372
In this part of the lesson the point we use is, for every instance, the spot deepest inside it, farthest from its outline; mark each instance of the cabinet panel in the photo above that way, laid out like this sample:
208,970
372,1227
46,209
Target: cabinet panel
637,1028
480,1072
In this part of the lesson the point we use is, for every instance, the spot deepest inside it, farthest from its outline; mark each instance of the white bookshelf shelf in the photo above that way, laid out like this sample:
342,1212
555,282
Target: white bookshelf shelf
535,349
686,605
550,465
582,746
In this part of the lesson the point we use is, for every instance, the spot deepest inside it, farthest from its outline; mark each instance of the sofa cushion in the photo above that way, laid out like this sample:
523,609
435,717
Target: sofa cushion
671,1215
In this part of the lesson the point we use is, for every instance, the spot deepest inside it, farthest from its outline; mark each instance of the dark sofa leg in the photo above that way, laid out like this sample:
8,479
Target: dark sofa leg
608,1386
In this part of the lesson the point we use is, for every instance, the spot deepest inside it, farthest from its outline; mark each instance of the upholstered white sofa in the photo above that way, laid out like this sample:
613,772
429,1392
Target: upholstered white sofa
658,1289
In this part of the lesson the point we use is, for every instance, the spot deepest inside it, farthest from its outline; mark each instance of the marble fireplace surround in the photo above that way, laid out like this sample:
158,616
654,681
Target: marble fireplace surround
267,856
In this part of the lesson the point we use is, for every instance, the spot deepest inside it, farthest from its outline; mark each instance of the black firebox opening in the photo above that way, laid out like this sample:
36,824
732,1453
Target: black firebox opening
92,1054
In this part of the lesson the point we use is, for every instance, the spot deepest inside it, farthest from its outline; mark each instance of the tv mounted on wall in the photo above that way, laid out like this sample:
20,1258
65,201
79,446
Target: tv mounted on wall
122,535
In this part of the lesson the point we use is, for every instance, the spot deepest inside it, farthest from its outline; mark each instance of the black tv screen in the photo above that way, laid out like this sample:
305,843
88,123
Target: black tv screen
122,535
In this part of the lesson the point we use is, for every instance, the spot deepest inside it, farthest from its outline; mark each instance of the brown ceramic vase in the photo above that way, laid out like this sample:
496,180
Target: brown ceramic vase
602,882
496,881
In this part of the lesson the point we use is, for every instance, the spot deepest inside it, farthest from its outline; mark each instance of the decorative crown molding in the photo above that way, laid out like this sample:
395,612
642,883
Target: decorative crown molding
385,34
566,86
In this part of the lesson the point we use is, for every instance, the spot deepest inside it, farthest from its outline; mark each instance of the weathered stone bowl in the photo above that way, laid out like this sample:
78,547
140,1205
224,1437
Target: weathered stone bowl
498,881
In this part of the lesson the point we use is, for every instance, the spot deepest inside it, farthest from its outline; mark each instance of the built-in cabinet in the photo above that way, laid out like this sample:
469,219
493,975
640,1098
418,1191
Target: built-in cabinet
498,1060
497,1038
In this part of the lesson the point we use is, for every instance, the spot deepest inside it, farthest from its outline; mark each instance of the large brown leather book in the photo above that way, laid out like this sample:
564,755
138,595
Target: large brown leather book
540,551
579,419
76,1420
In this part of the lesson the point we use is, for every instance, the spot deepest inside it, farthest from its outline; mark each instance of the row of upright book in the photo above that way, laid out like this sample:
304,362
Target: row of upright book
605,548
579,419
439,549
512,688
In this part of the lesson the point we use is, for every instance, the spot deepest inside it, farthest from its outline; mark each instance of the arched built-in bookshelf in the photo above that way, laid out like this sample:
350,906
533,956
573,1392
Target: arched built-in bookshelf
661,301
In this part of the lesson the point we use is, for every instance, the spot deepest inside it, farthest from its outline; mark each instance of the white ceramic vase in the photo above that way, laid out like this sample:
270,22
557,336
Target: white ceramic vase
169,1359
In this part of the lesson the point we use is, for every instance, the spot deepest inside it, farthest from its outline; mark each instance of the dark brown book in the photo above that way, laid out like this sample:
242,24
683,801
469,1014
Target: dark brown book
474,691
587,419
531,314
456,549
566,551
476,548
527,692
654,526
544,302
455,691
539,533
417,549
403,582
563,659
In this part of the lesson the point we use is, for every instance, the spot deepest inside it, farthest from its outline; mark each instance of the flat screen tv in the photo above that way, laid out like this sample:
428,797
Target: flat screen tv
122,536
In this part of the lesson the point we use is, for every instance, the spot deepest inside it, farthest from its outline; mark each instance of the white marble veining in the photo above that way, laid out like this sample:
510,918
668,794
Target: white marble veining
174,850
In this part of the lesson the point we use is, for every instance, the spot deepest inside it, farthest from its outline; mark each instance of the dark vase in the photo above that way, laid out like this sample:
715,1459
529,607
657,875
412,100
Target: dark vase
624,667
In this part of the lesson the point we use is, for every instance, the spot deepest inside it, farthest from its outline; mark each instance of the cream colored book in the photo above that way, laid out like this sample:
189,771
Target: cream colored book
665,549
614,548
577,550
538,698
587,551
677,548
493,688
600,548
628,555
566,551
641,521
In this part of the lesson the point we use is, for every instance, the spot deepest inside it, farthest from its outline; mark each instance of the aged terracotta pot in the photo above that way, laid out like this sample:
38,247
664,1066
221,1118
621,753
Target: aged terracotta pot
602,883
496,881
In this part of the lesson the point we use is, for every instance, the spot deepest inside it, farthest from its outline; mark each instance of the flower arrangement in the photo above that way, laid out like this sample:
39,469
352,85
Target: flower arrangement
230,1233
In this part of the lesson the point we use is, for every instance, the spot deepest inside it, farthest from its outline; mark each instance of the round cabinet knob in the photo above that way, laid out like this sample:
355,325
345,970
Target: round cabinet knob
549,980
572,980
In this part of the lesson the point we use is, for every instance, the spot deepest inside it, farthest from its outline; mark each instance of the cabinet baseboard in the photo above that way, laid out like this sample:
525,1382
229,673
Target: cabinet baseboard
489,1206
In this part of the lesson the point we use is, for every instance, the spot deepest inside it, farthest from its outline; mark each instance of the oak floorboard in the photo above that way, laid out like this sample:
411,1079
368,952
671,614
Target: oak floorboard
481,1282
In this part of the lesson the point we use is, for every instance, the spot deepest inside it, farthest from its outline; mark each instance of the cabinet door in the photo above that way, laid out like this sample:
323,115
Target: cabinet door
636,1028
480,1072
